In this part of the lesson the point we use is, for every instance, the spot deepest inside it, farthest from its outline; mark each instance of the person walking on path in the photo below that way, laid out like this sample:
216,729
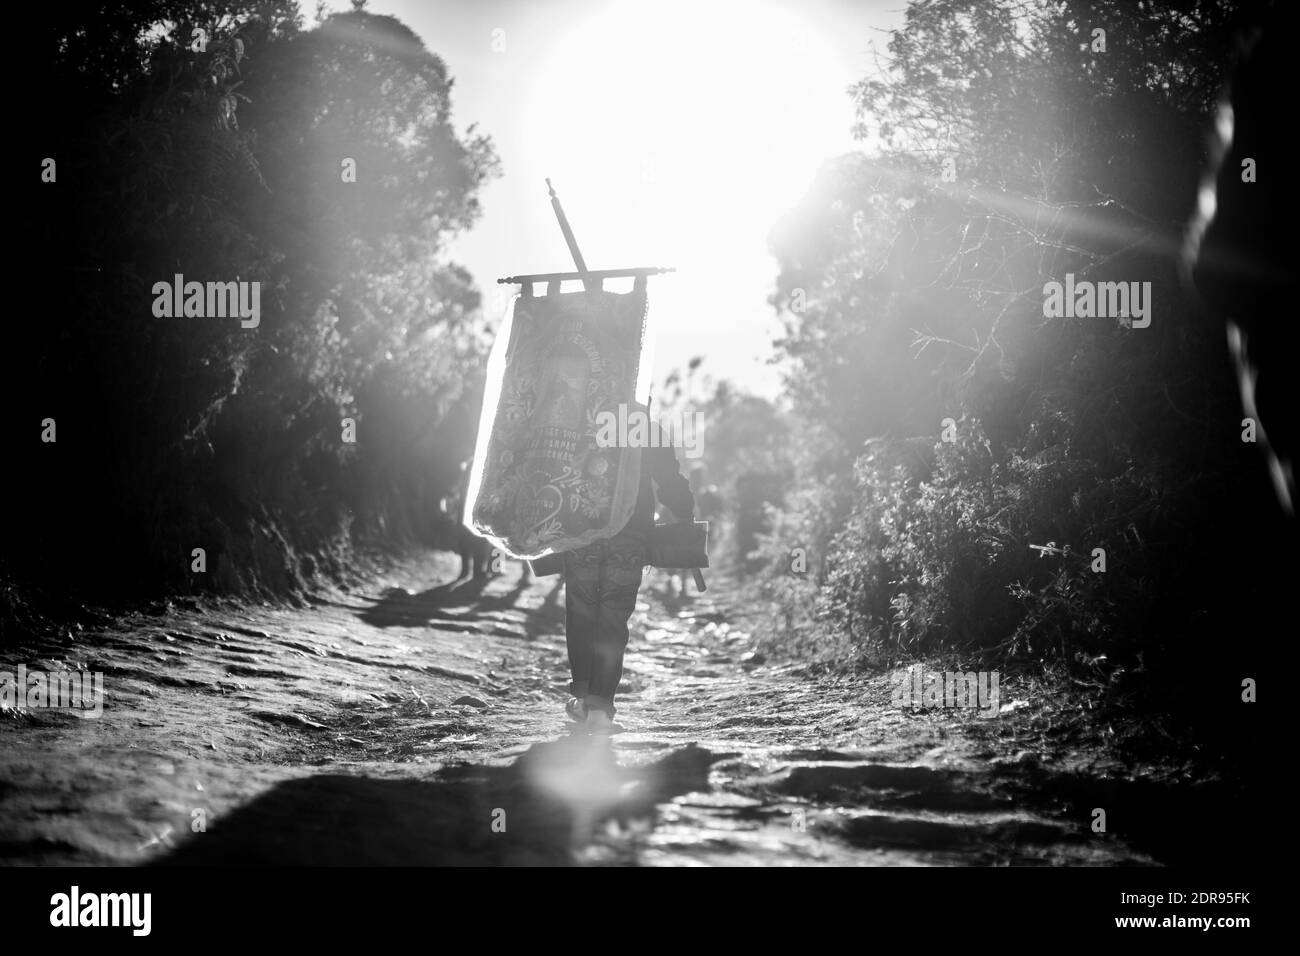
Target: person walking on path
601,584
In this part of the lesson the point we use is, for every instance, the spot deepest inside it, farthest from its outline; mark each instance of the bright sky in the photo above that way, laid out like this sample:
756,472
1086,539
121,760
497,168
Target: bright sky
676,132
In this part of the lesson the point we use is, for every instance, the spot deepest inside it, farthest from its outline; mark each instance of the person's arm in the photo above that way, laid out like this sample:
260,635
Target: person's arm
672,487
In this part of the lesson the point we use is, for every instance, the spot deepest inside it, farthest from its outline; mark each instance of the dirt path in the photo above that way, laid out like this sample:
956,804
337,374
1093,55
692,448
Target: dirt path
399,724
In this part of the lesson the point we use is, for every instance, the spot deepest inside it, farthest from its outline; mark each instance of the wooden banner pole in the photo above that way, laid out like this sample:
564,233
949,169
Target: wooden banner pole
570,240
592,274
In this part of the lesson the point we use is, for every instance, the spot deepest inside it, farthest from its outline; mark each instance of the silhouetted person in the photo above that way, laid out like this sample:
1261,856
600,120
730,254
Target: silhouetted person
475,552
601,584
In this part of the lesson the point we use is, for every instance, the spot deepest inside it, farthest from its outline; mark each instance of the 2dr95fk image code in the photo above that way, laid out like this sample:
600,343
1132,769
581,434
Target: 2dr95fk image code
1191,896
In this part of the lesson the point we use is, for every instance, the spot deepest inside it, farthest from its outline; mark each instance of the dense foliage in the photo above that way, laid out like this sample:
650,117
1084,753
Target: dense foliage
994,450
218,140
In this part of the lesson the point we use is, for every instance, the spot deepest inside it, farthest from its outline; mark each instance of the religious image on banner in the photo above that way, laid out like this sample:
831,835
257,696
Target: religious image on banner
540,483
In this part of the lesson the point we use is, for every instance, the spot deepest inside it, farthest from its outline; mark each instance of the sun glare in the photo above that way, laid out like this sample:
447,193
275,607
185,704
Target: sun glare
678,133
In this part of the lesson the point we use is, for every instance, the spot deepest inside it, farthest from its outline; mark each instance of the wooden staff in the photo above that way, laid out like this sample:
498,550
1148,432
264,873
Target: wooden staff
566,229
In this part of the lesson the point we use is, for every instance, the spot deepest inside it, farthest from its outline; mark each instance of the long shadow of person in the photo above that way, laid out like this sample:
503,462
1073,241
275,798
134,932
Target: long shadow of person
462,601
539,810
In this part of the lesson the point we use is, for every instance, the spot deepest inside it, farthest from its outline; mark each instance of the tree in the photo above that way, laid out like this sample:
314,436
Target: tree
207,139
1005,149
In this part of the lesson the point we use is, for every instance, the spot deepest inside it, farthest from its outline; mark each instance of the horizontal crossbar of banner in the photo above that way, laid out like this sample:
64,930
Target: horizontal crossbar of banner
595,274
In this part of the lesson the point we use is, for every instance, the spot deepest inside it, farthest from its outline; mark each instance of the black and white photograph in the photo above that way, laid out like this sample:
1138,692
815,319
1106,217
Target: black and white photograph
761,434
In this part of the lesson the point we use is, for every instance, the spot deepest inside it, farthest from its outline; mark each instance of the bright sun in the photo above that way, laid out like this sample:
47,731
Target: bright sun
677,134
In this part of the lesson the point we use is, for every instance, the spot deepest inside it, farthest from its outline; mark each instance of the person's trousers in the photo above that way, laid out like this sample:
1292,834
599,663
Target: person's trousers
601,583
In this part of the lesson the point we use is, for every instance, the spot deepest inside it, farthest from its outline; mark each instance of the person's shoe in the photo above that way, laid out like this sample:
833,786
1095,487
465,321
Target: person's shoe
599,722
576,710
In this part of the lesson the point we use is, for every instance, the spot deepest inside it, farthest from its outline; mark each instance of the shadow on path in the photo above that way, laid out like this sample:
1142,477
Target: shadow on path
463,600
536,811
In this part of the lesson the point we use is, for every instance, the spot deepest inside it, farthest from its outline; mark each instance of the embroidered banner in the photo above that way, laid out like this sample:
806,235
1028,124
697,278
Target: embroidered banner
540,483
